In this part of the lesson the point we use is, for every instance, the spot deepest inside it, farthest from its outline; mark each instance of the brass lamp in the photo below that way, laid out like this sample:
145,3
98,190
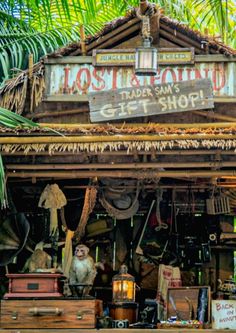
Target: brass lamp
146,56
123,286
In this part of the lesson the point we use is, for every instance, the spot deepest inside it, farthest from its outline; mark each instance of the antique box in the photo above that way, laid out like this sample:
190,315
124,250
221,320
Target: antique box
50,313
189,303
33,285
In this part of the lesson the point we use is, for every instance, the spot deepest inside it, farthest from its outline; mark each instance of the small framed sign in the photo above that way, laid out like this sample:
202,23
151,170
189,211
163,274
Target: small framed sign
119,58
126,57
224,314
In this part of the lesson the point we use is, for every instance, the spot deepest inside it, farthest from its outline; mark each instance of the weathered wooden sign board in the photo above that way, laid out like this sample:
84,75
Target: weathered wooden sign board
126,57
151,100
224,314
70,79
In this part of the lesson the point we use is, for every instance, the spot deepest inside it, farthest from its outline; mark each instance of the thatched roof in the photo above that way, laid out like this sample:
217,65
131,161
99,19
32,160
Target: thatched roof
214,45
93,138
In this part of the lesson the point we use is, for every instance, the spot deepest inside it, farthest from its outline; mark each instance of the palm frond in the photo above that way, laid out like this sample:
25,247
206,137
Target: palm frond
11,120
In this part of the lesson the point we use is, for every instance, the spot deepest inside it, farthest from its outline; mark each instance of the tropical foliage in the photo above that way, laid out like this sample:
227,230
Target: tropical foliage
10,120
39,27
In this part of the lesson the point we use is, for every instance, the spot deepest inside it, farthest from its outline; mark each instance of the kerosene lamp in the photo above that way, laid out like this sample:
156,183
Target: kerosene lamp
123,306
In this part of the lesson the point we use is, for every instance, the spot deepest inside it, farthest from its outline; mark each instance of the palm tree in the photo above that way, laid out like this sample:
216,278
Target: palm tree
219,18
39,27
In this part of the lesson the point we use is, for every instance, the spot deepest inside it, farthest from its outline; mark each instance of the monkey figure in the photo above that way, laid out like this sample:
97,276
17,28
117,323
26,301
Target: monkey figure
82,269
39,260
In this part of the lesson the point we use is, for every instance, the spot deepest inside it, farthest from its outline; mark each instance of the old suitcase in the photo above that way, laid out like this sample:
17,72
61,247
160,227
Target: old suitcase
50,313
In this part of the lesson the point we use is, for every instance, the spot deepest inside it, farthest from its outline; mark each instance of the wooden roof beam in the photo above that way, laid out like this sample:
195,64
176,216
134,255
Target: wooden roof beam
139,165
179,36
135,174
107,39
182,43
135,153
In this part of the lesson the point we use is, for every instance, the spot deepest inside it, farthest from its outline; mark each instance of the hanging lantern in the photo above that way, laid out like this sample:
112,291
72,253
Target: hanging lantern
146,56
123,286
146,59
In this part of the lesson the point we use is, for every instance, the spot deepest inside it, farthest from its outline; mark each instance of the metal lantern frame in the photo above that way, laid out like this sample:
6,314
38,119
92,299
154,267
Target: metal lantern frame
146,55
123,286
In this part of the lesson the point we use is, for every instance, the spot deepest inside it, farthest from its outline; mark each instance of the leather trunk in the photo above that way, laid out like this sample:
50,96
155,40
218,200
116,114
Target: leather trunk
42,313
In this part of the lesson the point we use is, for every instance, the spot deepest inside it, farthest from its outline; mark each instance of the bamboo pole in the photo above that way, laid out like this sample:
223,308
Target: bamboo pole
138,125
112,138
139,174
82,40
175,165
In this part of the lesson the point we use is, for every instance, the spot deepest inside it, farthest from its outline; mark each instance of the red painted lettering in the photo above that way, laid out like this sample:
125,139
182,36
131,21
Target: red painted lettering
218,77
180,74
189,70
168,72
66,80
134,81
99,79
114,78
206,71
83,79
197,73
218,306
155,79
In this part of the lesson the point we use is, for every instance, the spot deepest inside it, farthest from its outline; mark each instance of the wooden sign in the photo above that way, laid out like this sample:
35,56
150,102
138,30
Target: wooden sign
150,100
224,314
126,57
70,79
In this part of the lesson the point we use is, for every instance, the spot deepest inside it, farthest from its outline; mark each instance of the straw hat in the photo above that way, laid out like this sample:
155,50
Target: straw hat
123,202
97,228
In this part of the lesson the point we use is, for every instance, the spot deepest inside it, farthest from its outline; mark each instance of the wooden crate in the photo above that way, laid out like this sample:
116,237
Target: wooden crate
58,313
180,295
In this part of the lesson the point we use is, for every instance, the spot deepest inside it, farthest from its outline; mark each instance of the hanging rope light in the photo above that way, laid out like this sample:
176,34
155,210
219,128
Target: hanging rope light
146,56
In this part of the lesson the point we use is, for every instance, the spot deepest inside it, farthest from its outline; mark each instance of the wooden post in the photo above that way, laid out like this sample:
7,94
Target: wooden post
82,40
30,77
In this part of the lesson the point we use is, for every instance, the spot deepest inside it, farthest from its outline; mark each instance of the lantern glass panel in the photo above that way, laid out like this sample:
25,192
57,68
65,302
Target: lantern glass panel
123,287
146,61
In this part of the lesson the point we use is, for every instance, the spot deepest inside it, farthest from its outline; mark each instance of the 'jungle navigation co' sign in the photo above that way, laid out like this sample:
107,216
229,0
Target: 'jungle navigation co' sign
151,100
